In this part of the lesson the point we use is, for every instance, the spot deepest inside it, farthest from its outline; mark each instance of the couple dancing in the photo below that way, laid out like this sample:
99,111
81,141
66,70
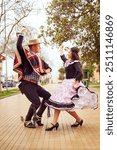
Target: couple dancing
30,67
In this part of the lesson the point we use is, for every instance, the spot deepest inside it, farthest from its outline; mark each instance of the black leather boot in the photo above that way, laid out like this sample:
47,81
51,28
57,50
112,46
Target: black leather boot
29,124
37,119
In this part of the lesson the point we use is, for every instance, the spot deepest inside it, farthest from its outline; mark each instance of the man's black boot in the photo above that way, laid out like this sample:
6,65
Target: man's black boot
29,124
37,119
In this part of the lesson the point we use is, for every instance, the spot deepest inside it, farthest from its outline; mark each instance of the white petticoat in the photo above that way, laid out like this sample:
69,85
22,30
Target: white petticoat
86,99
61,98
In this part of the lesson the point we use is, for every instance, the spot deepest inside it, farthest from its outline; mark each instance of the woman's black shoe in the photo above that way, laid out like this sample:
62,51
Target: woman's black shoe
53,126
76,124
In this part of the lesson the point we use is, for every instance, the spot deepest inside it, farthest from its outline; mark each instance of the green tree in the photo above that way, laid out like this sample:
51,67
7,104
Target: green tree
61,73
77,21
90,67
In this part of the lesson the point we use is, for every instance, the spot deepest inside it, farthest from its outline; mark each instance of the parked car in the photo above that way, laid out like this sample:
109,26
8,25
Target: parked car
8,84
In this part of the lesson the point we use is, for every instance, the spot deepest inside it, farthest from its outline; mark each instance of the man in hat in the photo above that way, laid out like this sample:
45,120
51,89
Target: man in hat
30,67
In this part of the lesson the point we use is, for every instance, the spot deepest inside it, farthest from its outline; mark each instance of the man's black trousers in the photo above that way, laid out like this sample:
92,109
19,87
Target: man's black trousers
33,92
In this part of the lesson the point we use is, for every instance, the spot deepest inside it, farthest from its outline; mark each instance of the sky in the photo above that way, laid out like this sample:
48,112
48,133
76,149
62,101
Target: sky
36,19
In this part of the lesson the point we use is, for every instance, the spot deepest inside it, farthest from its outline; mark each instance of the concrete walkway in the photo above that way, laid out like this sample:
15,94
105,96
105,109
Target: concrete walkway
14,136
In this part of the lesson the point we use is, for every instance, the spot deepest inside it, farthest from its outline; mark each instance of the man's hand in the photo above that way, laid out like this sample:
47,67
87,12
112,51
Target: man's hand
24,30
48,70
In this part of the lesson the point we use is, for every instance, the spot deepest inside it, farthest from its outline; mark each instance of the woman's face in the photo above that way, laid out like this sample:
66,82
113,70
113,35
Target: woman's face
69,54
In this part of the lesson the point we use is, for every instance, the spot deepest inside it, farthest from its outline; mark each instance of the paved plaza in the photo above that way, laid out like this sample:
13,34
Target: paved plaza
14,136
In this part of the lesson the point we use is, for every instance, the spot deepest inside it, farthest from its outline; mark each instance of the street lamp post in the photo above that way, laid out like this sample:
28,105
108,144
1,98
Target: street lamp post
5,45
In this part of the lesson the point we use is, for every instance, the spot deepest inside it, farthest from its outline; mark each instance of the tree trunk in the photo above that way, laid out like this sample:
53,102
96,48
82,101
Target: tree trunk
0,75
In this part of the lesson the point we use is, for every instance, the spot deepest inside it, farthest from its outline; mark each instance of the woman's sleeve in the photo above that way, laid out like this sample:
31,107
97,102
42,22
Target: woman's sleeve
79,71
63,58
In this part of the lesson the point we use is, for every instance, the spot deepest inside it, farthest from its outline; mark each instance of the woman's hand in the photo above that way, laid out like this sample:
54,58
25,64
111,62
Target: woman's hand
61,49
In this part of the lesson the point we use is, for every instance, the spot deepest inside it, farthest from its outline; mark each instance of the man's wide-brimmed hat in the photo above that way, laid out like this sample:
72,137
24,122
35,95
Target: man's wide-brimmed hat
33,42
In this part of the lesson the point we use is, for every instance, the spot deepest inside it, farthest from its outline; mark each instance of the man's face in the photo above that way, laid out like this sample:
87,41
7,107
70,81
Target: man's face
35,48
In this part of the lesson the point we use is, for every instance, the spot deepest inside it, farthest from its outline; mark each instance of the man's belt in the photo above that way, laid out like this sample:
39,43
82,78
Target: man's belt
30,80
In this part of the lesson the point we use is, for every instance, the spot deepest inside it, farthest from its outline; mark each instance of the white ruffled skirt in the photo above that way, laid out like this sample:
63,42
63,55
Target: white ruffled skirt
62,98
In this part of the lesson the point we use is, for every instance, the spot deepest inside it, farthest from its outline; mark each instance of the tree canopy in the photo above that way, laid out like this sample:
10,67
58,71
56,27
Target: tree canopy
76,21
12,13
